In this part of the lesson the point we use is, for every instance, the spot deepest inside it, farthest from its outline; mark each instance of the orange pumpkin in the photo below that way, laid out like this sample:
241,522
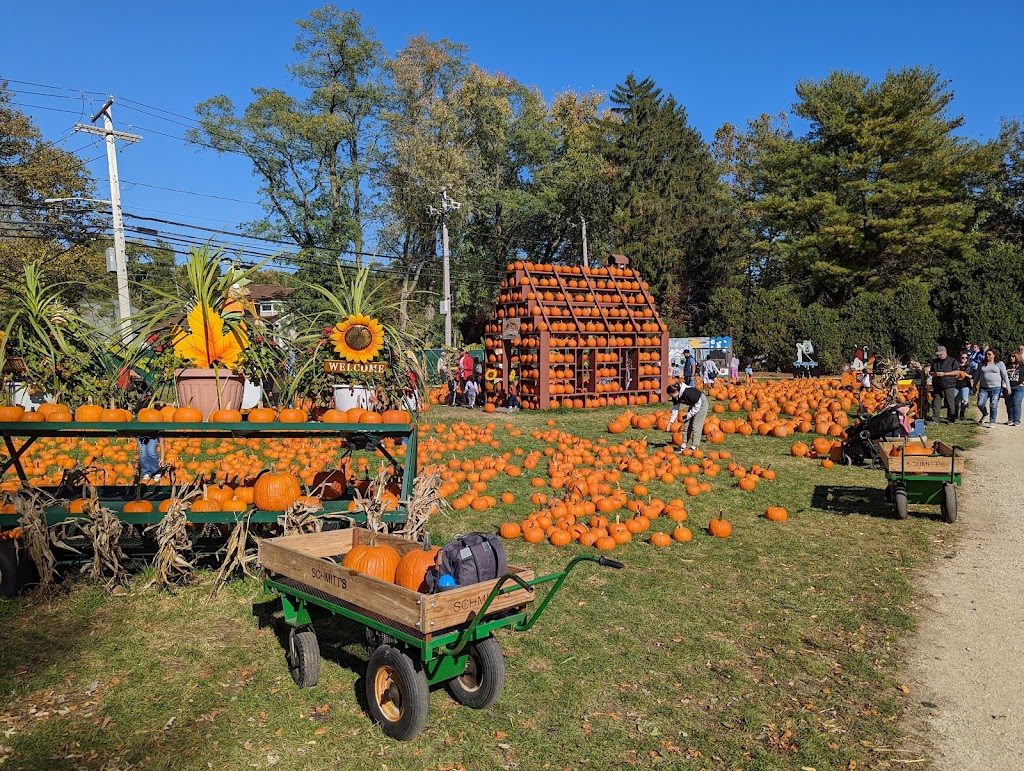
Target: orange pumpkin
293,415
412,568
89,413
720,527
276,491
373,559
262,415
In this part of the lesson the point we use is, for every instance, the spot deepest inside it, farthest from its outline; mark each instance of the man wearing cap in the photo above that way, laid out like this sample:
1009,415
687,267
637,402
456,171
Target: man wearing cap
944,371
689,365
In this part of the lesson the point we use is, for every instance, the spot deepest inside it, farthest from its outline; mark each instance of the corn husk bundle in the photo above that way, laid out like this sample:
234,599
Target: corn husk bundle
888,372
372,504
171,566
423,504
237,557
103,529
300,519
38,537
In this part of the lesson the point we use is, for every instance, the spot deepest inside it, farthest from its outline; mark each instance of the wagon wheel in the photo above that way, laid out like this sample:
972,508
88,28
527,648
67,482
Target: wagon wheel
900,502
304,657
483,680
397,693
948,503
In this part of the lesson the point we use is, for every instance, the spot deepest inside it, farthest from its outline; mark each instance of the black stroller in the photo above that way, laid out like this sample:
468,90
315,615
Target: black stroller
860,437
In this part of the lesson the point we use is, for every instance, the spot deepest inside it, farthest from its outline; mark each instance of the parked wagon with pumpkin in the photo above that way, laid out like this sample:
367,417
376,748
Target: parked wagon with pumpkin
414,639
920,471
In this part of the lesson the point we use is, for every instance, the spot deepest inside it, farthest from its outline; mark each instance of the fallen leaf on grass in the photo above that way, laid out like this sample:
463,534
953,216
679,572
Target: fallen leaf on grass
320,731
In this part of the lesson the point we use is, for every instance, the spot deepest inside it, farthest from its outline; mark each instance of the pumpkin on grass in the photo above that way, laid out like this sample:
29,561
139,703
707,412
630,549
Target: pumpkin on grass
661,540
776,514
720,527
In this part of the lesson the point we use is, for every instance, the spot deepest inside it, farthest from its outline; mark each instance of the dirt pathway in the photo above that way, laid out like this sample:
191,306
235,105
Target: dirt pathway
967,662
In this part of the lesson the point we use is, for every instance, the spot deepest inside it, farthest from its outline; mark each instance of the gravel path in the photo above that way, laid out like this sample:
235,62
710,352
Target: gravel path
966,664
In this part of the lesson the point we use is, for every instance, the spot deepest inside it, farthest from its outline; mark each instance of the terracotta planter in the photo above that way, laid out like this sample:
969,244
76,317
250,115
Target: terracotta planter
199,388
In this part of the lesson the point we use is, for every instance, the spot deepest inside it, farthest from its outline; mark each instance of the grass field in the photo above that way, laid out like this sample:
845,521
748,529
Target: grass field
776,648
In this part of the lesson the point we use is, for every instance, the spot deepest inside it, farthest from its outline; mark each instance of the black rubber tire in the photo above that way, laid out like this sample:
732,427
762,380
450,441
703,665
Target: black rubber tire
397,693
10,580
948,503
845,460
483,680
304,657
899,501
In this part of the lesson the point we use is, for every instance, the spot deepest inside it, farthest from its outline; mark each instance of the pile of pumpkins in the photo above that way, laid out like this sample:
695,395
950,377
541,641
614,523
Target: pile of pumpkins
94,413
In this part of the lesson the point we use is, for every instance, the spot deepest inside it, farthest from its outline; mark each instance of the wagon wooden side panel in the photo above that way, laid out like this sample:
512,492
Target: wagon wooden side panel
314,560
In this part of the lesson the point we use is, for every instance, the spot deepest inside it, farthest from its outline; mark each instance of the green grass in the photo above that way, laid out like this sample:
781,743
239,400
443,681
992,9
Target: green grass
777,648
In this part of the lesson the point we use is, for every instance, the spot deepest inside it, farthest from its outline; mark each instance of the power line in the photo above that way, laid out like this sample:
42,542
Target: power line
55,88
191,192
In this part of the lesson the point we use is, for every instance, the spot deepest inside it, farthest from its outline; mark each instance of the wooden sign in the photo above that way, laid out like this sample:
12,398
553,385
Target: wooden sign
334,366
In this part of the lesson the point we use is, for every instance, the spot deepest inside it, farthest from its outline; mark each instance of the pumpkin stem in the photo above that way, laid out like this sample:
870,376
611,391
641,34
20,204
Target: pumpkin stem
426,542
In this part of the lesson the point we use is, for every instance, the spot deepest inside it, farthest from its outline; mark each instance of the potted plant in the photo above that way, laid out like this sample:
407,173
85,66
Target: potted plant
212,328
358,326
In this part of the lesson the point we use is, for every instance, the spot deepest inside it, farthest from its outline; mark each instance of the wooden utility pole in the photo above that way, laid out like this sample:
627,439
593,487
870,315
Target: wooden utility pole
124,304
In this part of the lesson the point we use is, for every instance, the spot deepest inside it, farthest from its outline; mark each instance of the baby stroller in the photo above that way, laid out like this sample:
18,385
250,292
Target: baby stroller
860,437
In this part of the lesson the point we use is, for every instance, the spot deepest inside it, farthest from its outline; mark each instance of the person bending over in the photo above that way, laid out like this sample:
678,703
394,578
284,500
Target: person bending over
696,405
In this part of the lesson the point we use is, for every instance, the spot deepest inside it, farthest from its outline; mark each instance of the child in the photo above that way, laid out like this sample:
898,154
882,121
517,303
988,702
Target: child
513,400
471,389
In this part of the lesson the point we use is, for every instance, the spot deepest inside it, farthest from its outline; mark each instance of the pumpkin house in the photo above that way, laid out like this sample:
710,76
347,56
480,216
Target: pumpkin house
576,337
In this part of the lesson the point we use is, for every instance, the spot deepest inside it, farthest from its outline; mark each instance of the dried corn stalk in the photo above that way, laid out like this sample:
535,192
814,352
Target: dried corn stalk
300,519
887,374
38,537
423,504
103,529
372,503
173,542
236,556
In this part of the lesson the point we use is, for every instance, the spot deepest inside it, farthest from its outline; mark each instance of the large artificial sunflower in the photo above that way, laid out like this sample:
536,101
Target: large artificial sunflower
358,338
207,342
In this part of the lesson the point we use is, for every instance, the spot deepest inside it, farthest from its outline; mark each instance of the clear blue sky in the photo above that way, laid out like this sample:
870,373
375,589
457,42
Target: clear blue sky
722,61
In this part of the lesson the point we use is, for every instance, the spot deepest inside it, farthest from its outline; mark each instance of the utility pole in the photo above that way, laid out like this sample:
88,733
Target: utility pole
447,204
124,304
586,257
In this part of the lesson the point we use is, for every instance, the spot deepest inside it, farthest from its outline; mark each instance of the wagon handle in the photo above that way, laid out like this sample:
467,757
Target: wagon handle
467,634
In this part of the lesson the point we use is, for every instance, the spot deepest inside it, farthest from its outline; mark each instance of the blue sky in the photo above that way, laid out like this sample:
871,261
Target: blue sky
722,61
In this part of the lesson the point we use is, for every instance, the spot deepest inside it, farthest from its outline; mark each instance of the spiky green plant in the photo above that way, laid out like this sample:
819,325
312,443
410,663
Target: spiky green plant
58,351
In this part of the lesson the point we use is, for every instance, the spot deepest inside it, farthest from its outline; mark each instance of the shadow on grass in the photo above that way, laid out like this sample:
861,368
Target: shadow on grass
847,500
40,638
339,640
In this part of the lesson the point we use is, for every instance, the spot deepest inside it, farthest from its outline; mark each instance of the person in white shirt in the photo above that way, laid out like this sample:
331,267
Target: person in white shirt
710,372
697,410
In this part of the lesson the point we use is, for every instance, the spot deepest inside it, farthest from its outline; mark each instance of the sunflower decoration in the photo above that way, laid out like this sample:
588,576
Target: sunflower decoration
358,338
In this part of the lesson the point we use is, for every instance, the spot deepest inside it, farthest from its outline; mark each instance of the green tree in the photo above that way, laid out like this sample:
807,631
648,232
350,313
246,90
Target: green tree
981,300
314,155
878,190
54,237
672,216
768,327
423,154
